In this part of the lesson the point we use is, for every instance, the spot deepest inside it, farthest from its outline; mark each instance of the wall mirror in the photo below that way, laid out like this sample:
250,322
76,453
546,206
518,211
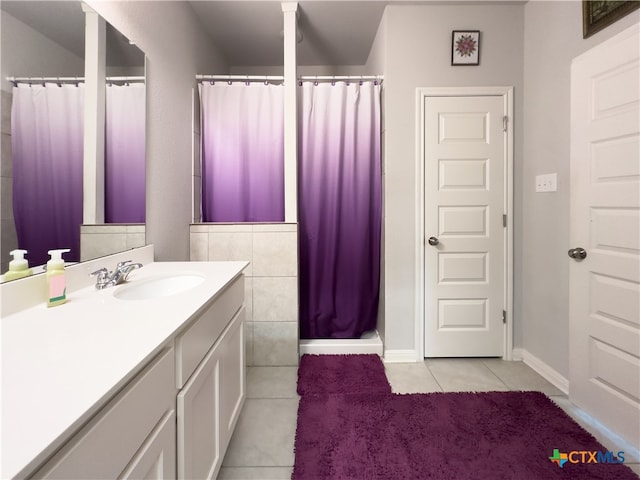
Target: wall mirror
46,40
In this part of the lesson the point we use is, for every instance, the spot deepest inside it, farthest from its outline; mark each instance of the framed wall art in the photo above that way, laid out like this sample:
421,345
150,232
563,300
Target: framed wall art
597,14
465,47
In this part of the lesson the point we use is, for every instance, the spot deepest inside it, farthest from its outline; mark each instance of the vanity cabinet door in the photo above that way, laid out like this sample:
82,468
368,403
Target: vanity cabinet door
156,459
198,421
232,378
209,405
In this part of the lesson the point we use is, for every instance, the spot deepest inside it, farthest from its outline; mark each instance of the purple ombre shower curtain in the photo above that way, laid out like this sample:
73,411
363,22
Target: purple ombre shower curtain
242,128
125,181
339,205
47,125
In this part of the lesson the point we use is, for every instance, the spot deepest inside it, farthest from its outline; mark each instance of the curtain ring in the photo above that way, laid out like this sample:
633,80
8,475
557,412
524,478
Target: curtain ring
229,82
333,83
266,82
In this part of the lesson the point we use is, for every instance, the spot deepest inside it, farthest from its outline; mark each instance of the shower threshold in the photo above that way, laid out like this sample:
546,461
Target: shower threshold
369,342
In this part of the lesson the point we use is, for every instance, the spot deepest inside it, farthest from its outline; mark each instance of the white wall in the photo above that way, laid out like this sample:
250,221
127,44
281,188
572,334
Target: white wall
177,48
417,53
552,37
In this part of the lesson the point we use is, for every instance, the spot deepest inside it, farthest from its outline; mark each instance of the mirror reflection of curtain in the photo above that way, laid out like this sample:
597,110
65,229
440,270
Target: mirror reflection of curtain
339,178
242,128
125,188
47,147
47,128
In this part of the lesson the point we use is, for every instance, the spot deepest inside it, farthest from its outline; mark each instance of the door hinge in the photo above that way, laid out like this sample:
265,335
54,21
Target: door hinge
505,123
504,220
504,316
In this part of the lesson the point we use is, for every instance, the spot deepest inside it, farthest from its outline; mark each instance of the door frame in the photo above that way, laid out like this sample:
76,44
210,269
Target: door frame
507,95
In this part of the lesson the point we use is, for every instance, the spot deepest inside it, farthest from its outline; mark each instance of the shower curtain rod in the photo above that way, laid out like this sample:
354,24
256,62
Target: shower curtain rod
266,78
16,80
246,78
330,78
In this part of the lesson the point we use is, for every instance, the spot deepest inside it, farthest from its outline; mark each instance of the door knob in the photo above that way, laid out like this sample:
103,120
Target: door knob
433,241
577,253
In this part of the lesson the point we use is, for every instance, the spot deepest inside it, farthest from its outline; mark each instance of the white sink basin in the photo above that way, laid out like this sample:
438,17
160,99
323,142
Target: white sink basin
158,287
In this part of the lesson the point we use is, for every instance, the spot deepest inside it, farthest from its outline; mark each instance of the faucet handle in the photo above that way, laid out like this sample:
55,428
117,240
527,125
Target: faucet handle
101,275
123,264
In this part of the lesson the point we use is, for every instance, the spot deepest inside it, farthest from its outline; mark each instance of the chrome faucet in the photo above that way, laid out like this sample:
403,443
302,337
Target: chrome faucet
105,279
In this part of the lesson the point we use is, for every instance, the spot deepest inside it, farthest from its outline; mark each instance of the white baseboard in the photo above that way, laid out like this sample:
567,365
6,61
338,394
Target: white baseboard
542,368
400,356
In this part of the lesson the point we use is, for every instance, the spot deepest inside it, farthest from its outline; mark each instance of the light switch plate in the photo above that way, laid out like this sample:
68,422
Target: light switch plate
547,183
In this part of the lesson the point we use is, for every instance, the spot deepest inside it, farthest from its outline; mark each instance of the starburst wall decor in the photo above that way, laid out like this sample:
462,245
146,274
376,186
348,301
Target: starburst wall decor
465,47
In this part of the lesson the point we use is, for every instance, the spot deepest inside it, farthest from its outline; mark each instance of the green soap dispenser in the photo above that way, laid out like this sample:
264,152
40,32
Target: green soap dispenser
18,267
56,281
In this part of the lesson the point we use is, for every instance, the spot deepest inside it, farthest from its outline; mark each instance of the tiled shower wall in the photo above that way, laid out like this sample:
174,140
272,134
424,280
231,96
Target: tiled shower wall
9,239
271,293
106,239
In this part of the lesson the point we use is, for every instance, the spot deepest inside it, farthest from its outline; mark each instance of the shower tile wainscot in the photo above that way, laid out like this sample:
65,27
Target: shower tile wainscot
109,238
271,289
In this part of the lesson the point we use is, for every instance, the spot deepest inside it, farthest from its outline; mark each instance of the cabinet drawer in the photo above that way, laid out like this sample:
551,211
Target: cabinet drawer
195,342
104,447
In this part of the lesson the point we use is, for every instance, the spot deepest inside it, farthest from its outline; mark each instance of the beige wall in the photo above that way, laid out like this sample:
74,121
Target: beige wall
552,38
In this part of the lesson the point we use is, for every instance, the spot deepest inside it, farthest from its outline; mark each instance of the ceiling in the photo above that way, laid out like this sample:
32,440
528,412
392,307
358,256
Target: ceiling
63,22
247,33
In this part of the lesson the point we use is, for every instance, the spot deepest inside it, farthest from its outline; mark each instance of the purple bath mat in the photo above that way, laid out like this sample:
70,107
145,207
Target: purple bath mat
445,436
322,374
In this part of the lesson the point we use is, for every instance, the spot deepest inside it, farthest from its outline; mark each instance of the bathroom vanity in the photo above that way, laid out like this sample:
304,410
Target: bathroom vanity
145,379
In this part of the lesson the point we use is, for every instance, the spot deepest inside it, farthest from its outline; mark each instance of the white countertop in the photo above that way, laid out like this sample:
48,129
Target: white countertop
61,364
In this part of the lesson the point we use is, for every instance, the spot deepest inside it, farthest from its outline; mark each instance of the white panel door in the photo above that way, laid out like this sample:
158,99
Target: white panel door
605,223
464,175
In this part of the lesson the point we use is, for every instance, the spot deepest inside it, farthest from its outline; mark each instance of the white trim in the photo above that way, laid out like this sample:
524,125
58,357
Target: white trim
548,373
370,345
508,181
290,19
507,93
401,356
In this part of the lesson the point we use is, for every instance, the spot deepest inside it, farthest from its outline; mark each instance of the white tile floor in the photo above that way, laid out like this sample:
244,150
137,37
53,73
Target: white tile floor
262,445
